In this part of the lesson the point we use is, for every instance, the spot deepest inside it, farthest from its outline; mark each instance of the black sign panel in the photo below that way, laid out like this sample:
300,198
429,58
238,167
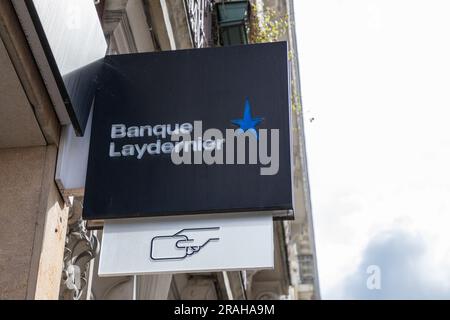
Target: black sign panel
145,98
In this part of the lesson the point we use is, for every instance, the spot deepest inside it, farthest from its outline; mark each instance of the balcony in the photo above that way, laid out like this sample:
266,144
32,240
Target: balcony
218,22
232,22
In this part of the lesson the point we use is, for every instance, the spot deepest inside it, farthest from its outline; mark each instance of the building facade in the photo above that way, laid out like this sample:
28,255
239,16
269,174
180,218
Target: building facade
46,250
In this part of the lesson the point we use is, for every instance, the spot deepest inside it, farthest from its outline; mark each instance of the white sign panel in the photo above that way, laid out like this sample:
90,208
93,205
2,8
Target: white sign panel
73,155
187,244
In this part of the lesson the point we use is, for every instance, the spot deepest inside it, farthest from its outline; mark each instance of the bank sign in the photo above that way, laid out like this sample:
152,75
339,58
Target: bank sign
191,132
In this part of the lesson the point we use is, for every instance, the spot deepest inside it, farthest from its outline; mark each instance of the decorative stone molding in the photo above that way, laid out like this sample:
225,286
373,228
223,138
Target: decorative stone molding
153,287
81,247
116,26
200,287
268,295
121,288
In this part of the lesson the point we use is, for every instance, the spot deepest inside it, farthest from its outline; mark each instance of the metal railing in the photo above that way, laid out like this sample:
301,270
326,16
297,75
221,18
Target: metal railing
199,14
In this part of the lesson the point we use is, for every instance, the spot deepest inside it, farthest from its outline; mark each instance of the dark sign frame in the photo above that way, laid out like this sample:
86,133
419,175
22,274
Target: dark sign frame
176,87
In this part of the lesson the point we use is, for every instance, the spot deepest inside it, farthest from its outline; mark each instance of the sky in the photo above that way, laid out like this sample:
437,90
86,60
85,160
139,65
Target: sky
375,78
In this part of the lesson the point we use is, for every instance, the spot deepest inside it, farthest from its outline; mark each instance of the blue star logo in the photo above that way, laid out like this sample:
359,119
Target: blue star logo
247,123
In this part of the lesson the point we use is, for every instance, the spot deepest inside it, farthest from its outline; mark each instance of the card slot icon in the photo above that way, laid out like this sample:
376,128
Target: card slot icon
182,244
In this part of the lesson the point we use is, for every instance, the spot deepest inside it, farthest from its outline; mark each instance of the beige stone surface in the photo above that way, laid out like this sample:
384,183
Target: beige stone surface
18,125
26,70
51,234
50,262
32,227
180,25
20,185
158,24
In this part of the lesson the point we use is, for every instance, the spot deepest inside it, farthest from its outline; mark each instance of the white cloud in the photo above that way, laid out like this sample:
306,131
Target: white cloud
400,256
375,76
